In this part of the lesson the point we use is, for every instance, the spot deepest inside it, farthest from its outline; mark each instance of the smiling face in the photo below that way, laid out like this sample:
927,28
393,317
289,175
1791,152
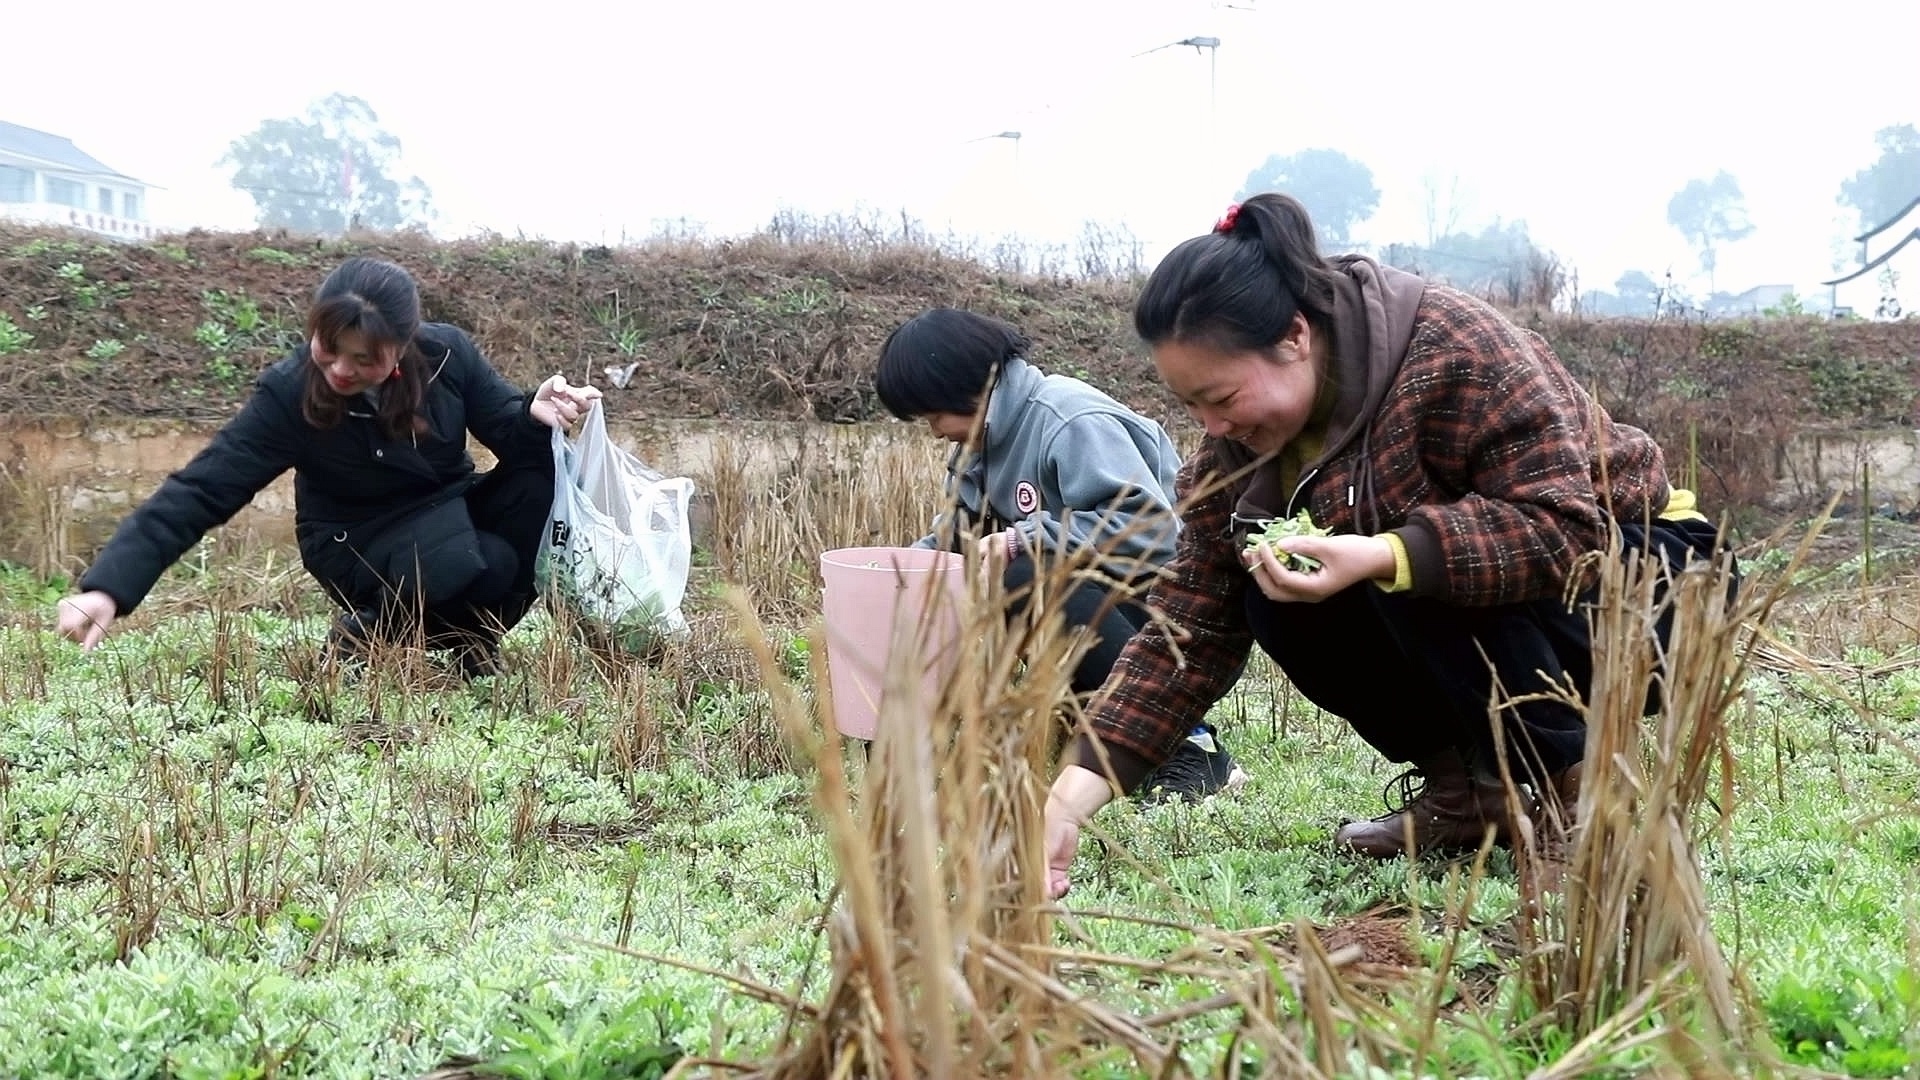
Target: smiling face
1260,399
355,366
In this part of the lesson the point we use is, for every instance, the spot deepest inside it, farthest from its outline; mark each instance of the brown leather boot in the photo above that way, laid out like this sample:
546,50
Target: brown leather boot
1562,794
1553,813
1452,810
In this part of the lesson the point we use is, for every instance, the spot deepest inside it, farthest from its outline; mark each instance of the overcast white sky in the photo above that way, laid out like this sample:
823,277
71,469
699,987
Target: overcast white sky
576,119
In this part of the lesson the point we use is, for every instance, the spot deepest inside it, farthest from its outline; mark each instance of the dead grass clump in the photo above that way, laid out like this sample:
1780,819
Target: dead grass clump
941,943
1624,952
36,519
943,962
937,969
772,521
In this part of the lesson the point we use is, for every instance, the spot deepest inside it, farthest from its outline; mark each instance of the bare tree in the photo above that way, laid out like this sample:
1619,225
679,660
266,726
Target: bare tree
1445,205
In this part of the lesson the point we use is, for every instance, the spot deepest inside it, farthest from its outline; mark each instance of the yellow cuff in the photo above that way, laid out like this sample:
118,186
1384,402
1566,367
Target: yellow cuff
1402,568
1681,506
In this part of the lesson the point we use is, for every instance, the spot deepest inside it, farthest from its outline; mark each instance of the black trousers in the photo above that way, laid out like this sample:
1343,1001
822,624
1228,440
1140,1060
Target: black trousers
459,570
1113,616
1414,676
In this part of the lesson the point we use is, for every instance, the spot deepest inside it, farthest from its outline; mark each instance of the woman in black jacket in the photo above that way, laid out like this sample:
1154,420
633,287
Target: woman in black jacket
392,519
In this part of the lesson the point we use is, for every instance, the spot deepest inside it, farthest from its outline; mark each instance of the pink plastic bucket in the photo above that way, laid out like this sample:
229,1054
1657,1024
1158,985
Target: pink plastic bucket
864,588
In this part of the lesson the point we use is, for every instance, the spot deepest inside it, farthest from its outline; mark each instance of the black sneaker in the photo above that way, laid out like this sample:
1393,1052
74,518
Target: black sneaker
1199,767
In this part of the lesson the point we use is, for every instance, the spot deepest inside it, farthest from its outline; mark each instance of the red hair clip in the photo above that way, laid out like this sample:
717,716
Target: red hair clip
1227,220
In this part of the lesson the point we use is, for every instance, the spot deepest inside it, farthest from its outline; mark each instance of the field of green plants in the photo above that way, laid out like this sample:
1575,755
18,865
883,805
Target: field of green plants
219,859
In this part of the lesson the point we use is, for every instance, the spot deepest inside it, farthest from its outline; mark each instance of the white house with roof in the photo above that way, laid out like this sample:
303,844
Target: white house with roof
47,180
1887,283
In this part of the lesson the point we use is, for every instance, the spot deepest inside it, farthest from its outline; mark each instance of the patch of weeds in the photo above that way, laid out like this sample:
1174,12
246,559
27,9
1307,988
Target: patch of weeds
88,294
20,586
220,343
85,293
37,313
234,326
237,310
803,297
483,842
625,1042
213,335
1853,1022
712,294
13,338
506,253
1901,840
796,656
226,372
43,245
174,252
276,257
106,349
626,331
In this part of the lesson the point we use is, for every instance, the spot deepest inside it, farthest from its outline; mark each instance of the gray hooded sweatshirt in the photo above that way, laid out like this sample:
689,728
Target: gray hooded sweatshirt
1069,468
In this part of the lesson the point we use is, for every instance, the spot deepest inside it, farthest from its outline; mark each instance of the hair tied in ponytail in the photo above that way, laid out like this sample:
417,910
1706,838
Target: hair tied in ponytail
1228,219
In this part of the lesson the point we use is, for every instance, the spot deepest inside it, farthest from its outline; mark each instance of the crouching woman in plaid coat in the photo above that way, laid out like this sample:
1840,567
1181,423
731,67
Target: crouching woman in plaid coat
1461,474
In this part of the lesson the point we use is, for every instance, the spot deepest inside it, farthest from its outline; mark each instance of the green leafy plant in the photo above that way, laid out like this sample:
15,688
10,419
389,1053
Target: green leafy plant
226,372
41,245
237,310
13,338
20,586
796,657
804,300
275,257
593,1043
106,349
1850,1023
625,330
235,324
1300,524
87,294
214,336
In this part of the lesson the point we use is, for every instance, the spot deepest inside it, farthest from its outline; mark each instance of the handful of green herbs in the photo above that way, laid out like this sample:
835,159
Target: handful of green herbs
1298,525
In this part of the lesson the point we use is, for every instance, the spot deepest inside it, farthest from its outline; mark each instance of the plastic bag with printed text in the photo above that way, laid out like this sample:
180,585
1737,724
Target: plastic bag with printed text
618,546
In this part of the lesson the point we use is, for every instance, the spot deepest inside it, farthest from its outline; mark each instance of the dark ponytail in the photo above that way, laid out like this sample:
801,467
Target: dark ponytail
1238,288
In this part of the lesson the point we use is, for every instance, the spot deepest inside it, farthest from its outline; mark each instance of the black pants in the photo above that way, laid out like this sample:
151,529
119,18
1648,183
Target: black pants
1409,675
1114,618
457,571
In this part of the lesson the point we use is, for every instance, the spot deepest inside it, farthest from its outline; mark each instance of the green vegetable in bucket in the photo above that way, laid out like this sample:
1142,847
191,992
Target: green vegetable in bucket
1300,524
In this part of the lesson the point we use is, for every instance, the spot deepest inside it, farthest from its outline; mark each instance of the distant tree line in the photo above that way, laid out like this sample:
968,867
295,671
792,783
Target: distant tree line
1501,259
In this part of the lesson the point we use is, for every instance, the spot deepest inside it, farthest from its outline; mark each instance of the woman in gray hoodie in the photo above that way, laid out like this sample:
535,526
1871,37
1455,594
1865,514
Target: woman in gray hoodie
1050,468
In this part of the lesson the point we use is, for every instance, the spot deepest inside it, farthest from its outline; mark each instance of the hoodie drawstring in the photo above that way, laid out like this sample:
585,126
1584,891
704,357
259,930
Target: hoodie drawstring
1368,494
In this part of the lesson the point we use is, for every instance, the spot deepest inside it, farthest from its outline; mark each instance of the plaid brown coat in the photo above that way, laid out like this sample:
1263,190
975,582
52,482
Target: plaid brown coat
1484,455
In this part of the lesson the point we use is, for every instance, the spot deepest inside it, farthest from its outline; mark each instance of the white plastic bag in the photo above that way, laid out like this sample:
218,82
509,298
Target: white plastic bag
618,546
